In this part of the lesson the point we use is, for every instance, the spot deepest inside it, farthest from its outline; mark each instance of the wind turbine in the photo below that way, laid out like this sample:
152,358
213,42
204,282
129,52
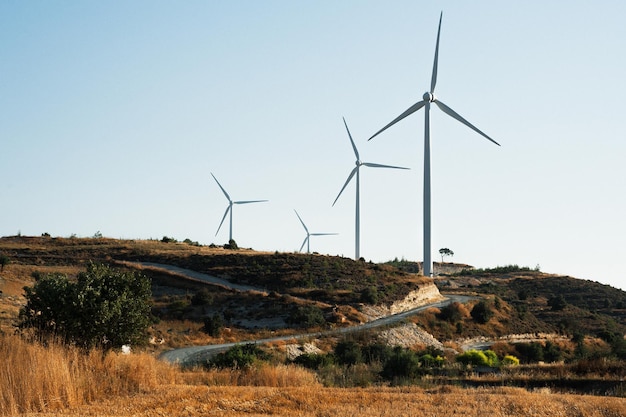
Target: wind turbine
355,171
229,209
427,99
308,235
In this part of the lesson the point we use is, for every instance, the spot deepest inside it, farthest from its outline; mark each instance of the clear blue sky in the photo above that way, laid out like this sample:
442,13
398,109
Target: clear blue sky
114,114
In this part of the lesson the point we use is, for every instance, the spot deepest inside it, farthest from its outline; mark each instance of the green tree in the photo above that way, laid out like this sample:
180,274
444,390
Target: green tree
445,252
451,312
557,303
348,352
4,260
102,307
481,313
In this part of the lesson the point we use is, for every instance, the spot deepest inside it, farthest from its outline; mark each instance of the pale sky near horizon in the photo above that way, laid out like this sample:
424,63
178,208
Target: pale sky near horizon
114,114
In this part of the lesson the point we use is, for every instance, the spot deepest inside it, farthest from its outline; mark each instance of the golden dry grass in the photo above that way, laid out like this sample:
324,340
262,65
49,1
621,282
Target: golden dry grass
58,381
192,401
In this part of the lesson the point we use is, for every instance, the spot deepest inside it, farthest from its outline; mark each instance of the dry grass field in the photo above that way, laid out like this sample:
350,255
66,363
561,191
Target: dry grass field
52,380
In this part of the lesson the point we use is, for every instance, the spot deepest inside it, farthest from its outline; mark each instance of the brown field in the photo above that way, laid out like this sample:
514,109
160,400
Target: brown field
52,380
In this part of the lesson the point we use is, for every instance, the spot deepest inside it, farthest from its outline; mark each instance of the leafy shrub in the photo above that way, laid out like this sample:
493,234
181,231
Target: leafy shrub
239,356
481,313
452,313
213,325
402,363
202,297
478,358
557,303
307,316
497,270
348,353
103,307
510,360
376,352
314,360
370,295
232,245
168,240
4,260
529,352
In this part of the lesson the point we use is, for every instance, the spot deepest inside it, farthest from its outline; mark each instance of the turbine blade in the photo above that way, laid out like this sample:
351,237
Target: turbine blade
223,218
356,151
250,201
304,243
346,184
408,111
223,190
447,110
323,234
433,80
303,225
369,164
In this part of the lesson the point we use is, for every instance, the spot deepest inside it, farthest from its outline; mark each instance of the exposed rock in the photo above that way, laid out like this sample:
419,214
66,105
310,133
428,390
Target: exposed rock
409,335
295,350
425,294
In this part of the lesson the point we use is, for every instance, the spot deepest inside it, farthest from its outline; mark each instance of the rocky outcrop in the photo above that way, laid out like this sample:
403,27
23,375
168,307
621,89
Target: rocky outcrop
424,294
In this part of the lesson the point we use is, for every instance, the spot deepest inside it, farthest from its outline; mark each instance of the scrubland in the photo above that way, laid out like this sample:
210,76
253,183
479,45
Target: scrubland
52,380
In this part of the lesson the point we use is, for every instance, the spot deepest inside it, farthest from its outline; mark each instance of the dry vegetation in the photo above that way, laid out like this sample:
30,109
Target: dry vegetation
54,380
57,381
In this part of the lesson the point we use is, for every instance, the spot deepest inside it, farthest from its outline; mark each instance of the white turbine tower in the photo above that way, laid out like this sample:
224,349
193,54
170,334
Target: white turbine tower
355,171
229,209
308,235
427,99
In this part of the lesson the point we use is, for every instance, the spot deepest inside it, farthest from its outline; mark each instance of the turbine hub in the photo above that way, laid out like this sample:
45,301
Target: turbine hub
358,163
428,97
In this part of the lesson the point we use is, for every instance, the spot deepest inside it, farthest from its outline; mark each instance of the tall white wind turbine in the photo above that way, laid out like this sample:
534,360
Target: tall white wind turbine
355,171
427,99
308,235
229,209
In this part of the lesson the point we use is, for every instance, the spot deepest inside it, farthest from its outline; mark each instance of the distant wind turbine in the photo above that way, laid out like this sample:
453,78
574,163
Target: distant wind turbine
429,97
355,171
308,235
229,209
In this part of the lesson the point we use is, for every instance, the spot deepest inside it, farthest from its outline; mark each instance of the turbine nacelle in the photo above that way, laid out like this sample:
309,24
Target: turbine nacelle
429,97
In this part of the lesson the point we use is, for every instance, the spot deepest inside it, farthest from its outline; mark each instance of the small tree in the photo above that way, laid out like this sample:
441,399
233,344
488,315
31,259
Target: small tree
445,252
213,325
102,307
557,303
4,260
481,313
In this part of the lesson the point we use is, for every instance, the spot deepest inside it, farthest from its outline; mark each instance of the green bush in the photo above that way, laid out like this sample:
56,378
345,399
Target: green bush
4,260
238,357
370,295
348,353
103,307
478,358
315,360
481,313
403,363
213,325
202,297
529,352
557,303
306,316
232,245
451,312
376,352
510,360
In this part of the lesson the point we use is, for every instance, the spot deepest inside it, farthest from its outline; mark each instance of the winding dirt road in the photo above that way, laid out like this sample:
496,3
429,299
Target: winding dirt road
197,354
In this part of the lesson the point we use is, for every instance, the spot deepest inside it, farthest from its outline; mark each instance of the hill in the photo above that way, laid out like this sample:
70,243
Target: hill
311,290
